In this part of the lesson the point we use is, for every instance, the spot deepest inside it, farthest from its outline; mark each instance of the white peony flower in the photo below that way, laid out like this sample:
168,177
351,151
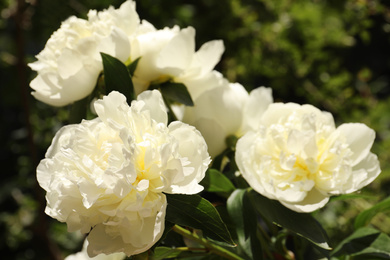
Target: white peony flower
299,157
106,176
169,54
83,255
226,110
69,65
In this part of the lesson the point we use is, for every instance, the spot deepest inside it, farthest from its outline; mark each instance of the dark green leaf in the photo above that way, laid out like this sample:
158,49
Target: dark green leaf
176,92
196,212
133,66
302,224
366,243
117,77
365,217
244,217
215,181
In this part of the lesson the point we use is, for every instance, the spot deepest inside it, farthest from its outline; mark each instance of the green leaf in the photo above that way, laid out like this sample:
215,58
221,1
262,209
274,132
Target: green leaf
353,196
244,217
177,92
365,242
302,224
215,181
133,66
196,212
365,217
117,77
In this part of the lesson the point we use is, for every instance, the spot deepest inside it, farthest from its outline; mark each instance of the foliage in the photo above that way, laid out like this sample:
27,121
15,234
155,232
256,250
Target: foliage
332,54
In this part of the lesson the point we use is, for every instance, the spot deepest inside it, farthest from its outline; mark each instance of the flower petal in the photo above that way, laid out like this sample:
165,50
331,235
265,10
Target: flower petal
177,54
194,149
155,104
313,201
131,238
364,173
360,139
258,102
209,55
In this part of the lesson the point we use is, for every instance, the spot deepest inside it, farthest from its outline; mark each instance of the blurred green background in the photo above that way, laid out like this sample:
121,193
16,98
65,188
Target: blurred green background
332,54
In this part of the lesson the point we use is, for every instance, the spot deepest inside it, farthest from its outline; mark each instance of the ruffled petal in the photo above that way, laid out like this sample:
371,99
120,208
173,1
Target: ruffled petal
360,138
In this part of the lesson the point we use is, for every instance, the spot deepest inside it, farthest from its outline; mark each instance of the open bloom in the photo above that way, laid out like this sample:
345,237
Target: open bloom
225,110
299,157
106,176
169,55
69,65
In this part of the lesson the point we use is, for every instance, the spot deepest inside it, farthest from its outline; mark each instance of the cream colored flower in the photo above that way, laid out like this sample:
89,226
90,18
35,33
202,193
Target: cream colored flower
225,110
106,176
299,157
169,55
83,255
69,65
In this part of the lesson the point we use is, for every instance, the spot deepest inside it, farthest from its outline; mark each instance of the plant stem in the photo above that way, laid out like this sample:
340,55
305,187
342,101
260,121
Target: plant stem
218,250
172,113
264,241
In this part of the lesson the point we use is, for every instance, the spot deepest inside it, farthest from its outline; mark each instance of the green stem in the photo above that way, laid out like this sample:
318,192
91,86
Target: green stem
264,241
184,249
168,104
142,256
206,243
78,111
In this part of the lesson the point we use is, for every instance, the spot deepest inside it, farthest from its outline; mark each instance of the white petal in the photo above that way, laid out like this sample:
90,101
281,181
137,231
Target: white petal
69,63
209,55
223,105
60,140
277,112
214,135
369,167
150,231
360,139
244,151
194,149
116,44
155,104
177,54
314,200
197,86
113,109
83,255
127,18
44,179
72,90
257,103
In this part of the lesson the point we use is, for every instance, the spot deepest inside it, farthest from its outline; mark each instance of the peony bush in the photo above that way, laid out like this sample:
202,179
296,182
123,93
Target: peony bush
135,176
